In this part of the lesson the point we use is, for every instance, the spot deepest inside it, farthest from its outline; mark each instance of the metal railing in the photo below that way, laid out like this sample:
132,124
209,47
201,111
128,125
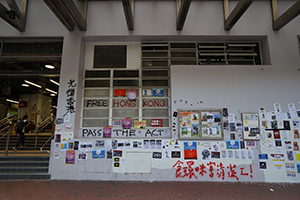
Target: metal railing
8,129
41,126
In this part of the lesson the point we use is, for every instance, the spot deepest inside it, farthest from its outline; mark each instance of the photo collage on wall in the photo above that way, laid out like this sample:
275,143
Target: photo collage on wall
200,124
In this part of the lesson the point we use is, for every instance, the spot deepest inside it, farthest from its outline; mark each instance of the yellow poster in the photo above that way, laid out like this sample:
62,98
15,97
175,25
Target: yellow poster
140,124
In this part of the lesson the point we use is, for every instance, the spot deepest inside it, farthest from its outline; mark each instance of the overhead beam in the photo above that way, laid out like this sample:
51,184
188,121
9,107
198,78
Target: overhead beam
15,17
69,15
58,9
128,6
28,73
286,17
182,8
235,15
79,18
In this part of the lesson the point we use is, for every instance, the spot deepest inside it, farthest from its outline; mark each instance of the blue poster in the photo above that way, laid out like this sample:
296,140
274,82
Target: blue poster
158,92
232,144
190,145
98,153
263,156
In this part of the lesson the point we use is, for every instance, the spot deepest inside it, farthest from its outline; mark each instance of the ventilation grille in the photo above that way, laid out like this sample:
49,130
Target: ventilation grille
110,56
200,53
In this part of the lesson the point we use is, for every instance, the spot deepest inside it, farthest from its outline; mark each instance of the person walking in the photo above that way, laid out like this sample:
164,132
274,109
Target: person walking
20,129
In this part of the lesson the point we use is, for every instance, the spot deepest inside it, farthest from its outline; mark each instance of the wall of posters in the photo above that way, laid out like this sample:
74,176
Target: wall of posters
200,124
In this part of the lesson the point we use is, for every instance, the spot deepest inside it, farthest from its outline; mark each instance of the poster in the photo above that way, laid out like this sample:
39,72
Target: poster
98,153
127,123
132,94
232,144
106,131
156,123
70,157
82,156
120,92
140,124
251,130
158,92
190,150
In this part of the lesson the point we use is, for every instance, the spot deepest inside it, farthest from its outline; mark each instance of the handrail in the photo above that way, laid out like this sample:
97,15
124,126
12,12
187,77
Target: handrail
5,120
8,139
41,126
3,129
41,149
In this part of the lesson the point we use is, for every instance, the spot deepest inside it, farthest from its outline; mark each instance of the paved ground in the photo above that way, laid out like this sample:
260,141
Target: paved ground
27,189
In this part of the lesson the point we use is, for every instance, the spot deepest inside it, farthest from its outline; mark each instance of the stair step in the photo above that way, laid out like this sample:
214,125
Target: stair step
21,176
24,163
25,158
23,170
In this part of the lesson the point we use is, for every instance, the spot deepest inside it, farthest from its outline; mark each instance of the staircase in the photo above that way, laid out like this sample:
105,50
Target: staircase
29,142
28,162
25,163
24,167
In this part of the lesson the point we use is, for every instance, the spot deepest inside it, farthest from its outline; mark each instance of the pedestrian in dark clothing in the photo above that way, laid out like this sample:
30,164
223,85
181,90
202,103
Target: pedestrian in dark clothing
20,129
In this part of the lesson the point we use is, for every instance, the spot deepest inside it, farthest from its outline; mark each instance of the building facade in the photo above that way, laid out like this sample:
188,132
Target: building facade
151,98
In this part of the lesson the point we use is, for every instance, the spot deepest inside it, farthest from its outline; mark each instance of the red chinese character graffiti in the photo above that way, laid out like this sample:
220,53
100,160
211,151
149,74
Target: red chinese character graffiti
202,169
232,171
178,173
211,168
221,171
189,171
246,174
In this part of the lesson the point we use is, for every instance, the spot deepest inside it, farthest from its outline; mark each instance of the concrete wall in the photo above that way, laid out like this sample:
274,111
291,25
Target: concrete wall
239,88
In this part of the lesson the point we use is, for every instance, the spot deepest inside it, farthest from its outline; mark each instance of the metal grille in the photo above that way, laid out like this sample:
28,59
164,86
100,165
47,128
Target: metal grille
110,56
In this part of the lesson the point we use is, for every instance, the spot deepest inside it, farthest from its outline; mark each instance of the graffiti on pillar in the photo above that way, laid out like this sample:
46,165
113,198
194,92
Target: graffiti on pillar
70,93
211,169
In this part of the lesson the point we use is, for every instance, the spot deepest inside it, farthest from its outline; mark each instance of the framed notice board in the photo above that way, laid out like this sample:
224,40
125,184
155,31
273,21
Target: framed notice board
200,124
251,126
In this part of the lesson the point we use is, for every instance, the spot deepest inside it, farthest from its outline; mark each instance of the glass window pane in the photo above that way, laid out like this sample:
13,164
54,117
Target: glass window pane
94,122
96,93
126,82
92,113
97,74
126,73
125,113
155,82
95,103
155,73
97,83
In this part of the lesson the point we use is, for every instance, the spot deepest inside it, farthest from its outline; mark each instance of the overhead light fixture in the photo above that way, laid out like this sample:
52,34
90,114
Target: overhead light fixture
53,81
36,85
51,91
12,101
52,95
25,85
49,66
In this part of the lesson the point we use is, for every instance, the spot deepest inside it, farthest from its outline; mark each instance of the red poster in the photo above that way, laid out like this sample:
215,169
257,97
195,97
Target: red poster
156,123
120,92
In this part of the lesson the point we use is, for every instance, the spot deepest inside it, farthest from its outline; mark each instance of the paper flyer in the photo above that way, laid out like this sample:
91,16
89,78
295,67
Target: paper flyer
132,94
98,153
120,92
106,131
82,156
158,92
140,124
127,123
70,157
190,150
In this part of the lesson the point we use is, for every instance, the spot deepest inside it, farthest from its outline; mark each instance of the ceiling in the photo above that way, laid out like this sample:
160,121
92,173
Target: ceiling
25,59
